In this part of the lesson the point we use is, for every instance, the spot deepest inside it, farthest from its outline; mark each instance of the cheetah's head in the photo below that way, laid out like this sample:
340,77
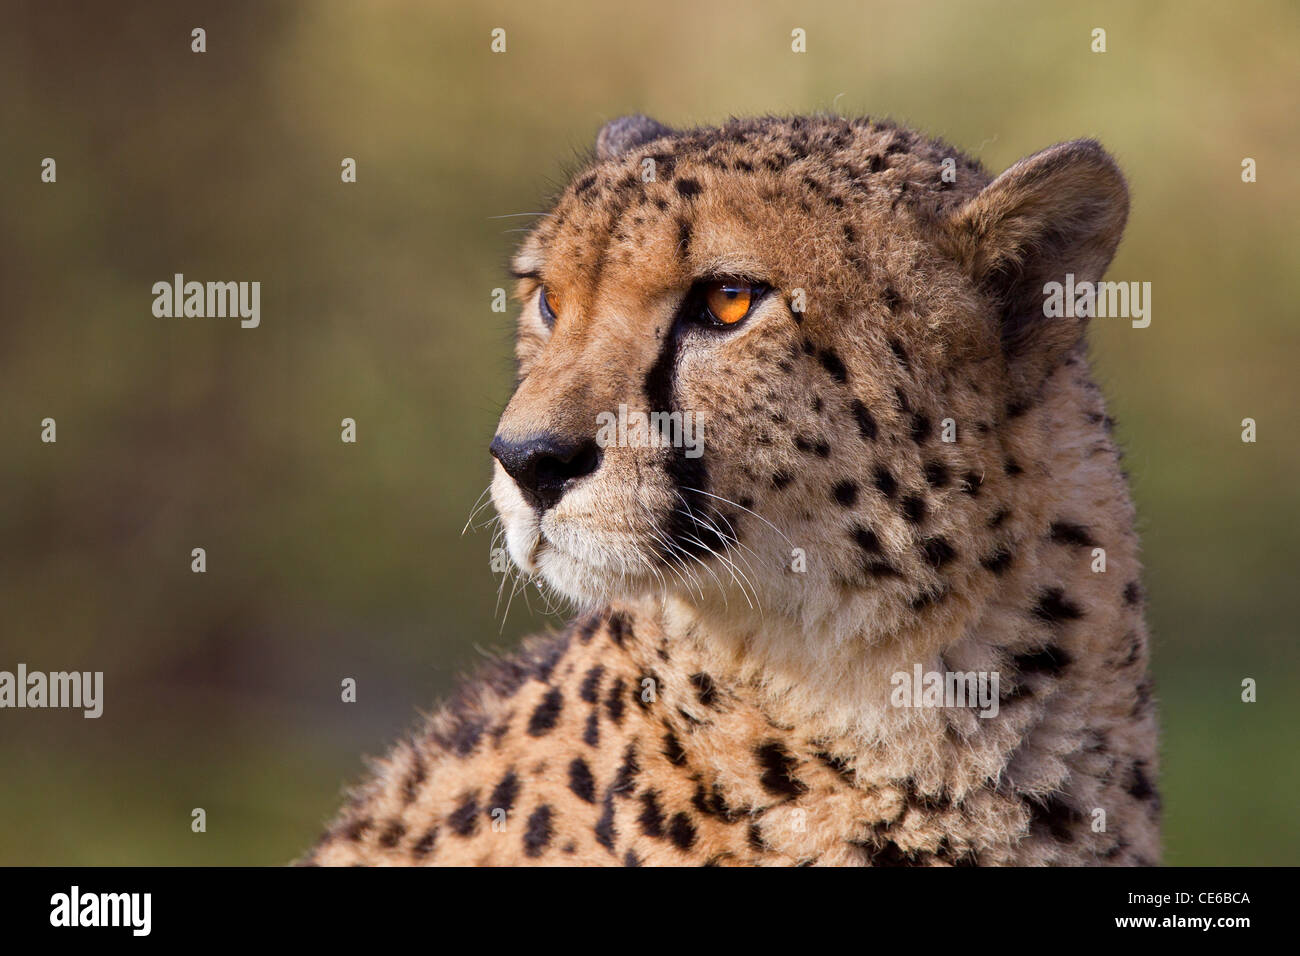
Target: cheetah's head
836,321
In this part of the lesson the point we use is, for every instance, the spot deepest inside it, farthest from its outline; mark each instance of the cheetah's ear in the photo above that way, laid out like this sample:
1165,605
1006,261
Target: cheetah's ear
1056,212
626,133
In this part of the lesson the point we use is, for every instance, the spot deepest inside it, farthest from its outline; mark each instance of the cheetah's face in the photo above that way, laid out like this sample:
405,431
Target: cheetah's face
757,363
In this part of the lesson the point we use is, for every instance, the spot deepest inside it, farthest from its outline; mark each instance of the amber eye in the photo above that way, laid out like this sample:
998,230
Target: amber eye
727,301
549,304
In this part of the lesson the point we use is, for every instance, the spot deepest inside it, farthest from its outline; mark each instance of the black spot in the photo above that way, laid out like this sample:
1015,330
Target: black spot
631,859
588,628
625,779
687,188
464,819
866,423
614,703
584,184
902,399
1012,467
590,689
928,598
832,363
673,749
781,479
936,473
620,629
1140,786
885,481
1051,660
876,568
581,782
1054,608
755,837
891,298
424,846
820,446
845,492
1017,408
681,831
549,655
652,817
778,770
1000,516
712,803
538,834
1064,532
606,833
392,834
1132,593
920,427
998,561
891,854
899,354
867,540
970,483
938,551
1054,816
505,793
683,238
839,764
546,714
876,163
705,689
914,509
415,779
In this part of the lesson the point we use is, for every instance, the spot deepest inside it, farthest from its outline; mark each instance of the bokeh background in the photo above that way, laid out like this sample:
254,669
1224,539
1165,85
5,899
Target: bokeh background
328,560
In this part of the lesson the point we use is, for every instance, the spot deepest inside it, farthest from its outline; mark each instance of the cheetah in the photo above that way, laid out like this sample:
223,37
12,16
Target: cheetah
905,469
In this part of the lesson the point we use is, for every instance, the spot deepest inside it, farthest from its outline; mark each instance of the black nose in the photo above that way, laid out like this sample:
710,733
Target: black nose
544,466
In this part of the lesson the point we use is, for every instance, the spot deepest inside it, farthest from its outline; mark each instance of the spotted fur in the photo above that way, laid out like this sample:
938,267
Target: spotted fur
715,702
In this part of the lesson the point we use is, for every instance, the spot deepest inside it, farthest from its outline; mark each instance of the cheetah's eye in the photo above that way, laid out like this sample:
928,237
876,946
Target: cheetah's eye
728,301
549,304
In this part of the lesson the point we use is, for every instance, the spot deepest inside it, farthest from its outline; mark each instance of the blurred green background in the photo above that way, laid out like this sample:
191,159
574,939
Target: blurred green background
328,560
